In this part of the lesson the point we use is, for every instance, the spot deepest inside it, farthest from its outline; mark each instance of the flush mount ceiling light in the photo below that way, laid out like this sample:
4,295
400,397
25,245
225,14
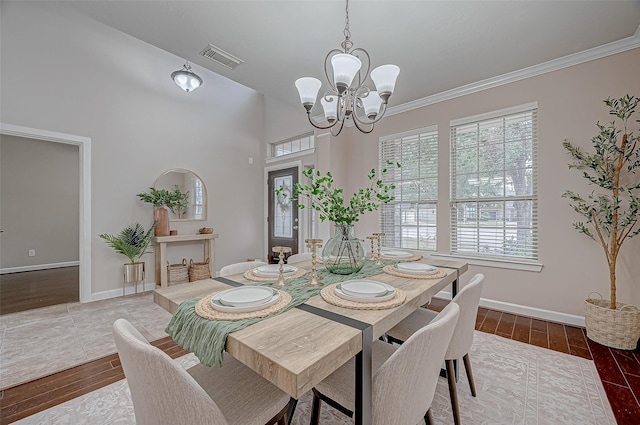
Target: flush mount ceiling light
348,96
186,79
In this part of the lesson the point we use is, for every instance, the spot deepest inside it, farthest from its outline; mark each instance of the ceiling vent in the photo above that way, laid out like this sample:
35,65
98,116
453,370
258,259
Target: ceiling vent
218,55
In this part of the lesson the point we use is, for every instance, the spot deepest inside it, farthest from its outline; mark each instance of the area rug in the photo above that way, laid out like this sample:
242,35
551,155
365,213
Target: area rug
517,384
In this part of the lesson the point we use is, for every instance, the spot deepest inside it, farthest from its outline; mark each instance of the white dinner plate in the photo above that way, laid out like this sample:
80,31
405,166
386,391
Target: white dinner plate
416,268
245,296
391,292
396,253
274,270
364,288
217,305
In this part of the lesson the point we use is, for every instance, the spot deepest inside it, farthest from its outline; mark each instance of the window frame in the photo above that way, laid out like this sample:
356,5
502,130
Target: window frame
456,200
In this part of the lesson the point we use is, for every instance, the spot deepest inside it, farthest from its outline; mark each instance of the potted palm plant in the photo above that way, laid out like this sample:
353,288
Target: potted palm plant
133,242
161,199
611,216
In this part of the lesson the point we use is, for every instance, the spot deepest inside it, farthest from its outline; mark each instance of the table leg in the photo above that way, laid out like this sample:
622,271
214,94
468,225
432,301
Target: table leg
364,403
163,265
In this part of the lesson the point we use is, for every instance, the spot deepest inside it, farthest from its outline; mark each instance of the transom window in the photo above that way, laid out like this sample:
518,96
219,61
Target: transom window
493,184
290,146
410,220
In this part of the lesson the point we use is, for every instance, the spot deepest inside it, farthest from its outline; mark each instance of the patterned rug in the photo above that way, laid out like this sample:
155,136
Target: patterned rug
517,384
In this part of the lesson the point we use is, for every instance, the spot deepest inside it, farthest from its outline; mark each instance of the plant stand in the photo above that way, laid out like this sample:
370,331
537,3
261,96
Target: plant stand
619,328
133,273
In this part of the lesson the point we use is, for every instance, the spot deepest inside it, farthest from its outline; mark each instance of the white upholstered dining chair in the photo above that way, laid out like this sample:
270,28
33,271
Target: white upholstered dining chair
236,268
299,258
404,377
468,299
164,393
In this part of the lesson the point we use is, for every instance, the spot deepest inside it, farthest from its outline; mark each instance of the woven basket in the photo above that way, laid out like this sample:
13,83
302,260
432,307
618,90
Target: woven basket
619,328
177,273
199,271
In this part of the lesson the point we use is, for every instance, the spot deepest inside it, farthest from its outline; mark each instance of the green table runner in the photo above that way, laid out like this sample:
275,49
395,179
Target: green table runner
207,338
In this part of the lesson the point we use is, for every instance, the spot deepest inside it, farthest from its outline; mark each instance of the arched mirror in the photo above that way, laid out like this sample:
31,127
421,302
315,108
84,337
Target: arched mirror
194,206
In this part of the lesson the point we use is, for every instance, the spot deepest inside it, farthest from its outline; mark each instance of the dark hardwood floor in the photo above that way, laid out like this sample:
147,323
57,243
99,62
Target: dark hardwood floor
40,288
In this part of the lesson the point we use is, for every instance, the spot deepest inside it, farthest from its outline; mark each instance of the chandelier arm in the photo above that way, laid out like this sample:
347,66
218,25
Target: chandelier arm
339,129
362,130
319,126
366,74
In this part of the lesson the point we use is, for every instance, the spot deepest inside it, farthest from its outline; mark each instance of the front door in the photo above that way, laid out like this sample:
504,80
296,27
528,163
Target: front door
283,213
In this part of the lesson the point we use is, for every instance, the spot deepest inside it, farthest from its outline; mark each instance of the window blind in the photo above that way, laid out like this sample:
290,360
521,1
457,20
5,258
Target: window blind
410,220
494,205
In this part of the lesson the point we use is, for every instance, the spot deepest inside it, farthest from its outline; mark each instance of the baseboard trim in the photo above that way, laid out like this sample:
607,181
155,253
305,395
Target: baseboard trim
129,289
36,267
538,313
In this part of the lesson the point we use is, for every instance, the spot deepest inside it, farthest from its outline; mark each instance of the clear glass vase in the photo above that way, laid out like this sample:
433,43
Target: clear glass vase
343,253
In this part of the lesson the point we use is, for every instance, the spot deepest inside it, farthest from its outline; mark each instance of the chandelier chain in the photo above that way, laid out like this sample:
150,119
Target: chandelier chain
347,33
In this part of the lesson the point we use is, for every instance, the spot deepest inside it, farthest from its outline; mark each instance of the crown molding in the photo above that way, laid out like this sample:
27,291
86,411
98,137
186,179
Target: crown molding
599,52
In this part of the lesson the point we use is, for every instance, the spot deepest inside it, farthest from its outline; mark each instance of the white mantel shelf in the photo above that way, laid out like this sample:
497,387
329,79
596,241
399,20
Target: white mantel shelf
161,253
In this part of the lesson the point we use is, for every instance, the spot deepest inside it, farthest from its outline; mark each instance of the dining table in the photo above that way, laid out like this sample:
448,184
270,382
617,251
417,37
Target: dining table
298,348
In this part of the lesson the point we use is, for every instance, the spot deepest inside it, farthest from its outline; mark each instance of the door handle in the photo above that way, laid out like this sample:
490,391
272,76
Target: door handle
295,227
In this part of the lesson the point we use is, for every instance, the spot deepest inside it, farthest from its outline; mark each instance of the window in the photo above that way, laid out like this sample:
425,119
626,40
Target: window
290,146
410,220
493,184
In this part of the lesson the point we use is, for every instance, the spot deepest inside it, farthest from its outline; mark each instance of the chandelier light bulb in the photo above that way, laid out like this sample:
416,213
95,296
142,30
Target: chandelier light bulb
345,68
308,88
371,104
330,108
186,79
384,77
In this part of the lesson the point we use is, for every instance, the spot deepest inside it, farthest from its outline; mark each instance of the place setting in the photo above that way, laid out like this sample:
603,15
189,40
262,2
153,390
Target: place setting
398,255
271,272
363,294
243,302
414,270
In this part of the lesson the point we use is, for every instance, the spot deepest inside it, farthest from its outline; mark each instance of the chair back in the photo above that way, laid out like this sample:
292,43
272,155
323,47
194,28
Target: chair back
299,258
404,386
240,267
468,299
162,392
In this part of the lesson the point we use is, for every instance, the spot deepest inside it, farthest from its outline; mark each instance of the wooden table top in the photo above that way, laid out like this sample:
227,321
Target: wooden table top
297,349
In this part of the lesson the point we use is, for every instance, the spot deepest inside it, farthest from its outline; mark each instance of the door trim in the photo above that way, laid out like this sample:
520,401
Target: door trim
84,145
302,223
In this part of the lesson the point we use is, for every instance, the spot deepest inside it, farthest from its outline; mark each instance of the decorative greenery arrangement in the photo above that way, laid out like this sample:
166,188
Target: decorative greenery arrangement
329,201
176,200
613,213
132,242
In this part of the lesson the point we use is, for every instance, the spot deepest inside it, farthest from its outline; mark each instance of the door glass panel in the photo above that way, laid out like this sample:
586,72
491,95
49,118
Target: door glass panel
283,220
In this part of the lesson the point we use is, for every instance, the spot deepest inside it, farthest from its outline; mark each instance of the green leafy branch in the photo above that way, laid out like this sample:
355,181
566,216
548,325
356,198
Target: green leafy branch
329,201
175,200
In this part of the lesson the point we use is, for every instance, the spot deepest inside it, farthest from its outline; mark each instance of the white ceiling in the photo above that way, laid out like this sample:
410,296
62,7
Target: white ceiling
438,45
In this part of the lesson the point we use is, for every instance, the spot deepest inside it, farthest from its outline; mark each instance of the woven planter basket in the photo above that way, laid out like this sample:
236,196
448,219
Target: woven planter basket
177,273
199,271
619,328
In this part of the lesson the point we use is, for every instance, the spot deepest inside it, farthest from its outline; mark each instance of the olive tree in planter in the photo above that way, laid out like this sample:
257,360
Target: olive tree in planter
611,215
132,242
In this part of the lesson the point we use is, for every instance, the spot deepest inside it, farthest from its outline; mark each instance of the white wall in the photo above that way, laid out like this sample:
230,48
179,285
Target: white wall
570,103
40,201
76,76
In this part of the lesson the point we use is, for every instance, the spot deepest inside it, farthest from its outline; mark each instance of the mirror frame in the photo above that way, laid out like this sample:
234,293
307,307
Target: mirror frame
204,190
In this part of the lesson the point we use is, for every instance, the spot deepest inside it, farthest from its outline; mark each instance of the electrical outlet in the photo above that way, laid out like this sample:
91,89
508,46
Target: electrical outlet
32,253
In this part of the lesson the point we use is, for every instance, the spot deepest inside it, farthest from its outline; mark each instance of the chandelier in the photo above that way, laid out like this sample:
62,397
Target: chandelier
348,96
186,79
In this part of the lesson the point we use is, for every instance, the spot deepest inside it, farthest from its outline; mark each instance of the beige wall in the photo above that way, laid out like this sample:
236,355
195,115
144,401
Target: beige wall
73,75
570,103
39,199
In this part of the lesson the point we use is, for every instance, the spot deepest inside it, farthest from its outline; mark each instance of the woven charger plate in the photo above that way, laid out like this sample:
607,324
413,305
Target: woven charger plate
400,259
252,276
393,272
206,310
329,295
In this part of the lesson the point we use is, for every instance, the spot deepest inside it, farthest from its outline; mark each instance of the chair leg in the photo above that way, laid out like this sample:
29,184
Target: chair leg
467,367
453,394
315,410
428,418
